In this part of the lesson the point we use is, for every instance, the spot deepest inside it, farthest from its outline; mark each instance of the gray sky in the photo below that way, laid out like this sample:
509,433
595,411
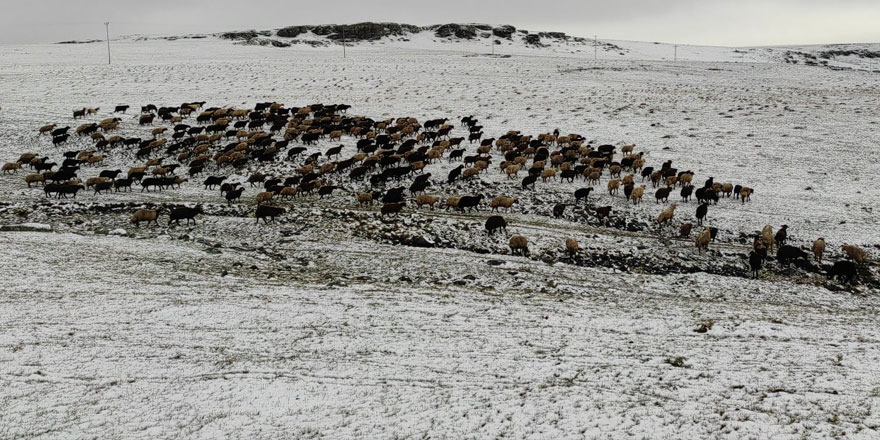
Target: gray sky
709,22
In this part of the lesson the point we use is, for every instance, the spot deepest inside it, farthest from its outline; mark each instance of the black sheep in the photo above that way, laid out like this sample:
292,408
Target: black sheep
529,180
265,211
755,262
702,210
582,193
781,235
662,194
495,222
454,174
470,202
558,210
184,212
843,270
391,208
686,192
233,194
786,254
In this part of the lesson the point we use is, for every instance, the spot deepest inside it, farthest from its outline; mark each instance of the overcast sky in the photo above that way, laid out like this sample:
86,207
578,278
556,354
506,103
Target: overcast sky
709,22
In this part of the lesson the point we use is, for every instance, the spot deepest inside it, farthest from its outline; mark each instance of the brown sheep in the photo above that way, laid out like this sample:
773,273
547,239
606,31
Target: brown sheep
767,236
34,178
365,198
727,189
627,179
95,180
27,158
519,244
613,186
546,174
819,249
666,215
855,253
424,199
746,194
512,171
593,177
288,192
265,196
469,173
452,202
571,245
145,215
637,194
685,229
95,159
47,128
703,240
502,202
11,167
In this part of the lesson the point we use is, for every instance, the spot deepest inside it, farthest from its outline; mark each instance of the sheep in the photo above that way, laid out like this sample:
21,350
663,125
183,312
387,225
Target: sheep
613,186
855,253
233,195
502,202
265,211
662,194
843,269
470,172
603,212
745,194
785,254
819,249
547,174
95,180
103,186
637,194
11,167
470,203
685,229
145,215
34,178
726,189
755,262
110,174
288,192
558,210
391,208
184,212
702,210
781,235
122,183
519,244
366,198
582,193
767,236
495,222
571,245
265,196
452,202
667,215
47,128
703,240
425,199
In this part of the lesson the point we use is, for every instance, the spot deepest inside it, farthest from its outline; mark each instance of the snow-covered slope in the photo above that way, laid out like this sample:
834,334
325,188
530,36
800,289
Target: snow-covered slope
320,326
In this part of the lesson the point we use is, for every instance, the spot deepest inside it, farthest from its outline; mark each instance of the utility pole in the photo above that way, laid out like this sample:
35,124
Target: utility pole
595,47
675,54
107,25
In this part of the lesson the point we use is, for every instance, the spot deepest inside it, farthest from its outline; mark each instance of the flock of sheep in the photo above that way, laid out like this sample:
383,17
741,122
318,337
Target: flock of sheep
390,165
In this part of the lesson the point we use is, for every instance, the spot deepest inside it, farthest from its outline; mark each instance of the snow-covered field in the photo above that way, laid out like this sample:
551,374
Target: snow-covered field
307,329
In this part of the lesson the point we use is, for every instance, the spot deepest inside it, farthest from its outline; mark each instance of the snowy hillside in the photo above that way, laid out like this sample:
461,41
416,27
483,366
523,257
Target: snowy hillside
339,322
